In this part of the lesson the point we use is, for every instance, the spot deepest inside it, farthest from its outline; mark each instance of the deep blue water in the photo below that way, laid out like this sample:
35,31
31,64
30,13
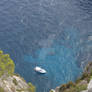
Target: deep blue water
53,34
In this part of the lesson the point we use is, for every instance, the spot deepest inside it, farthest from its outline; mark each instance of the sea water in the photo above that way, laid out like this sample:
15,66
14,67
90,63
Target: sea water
53,34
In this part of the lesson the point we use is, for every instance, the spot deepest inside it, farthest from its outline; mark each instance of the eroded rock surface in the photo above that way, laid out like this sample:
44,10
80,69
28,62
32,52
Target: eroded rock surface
14,84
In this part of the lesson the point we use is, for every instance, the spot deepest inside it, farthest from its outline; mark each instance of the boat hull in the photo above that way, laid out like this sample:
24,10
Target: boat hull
40,70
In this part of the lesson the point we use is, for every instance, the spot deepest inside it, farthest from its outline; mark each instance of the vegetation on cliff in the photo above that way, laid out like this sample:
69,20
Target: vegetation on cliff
6,64
31,87
80,84
10,82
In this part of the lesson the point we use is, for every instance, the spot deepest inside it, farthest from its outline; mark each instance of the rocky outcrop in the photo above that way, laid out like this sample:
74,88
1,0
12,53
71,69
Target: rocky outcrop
82,84
9,81
89,88
14,84
57,89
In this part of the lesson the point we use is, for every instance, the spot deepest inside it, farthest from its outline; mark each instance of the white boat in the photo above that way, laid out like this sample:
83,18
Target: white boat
40,70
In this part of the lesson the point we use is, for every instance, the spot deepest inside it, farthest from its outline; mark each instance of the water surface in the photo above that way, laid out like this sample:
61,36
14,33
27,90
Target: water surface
53,34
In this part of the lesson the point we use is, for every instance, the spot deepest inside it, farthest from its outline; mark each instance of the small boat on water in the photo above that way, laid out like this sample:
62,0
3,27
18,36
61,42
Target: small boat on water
40,70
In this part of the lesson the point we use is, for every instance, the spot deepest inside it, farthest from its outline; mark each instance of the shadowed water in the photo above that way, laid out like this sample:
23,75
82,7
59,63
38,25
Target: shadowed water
53,34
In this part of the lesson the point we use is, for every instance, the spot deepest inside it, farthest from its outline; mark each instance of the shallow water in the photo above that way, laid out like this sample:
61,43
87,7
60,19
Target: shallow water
53,34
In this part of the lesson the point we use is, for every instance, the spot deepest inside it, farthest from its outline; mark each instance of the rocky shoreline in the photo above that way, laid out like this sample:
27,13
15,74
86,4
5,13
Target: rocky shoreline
15,83
82,84
9,81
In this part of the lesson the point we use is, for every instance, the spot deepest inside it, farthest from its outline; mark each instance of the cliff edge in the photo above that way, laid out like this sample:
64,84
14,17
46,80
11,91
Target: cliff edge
82,84
15,83
9,81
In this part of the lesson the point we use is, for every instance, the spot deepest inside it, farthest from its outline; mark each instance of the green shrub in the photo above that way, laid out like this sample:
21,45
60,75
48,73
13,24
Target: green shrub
6,64
15,81
72,87
70,84
91,73
51,91
20,90
78,80
77,88
31,88
84,76
80,88
90,77
63,87
1,89
66,86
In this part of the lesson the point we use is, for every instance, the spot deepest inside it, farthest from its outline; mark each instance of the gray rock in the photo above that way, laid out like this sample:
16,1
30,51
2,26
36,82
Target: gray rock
85,91
90,85
9,86
57,89
90,90
83,82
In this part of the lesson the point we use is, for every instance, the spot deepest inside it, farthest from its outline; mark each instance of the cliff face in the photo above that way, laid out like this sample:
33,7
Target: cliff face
89,88
15,83
88,70
10,82
82,84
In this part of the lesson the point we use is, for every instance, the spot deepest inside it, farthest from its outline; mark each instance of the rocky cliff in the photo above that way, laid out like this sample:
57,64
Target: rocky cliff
15,83
9,81
82,84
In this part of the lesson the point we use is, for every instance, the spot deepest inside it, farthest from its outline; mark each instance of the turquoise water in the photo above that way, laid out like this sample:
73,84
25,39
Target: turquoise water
59,60
53,34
